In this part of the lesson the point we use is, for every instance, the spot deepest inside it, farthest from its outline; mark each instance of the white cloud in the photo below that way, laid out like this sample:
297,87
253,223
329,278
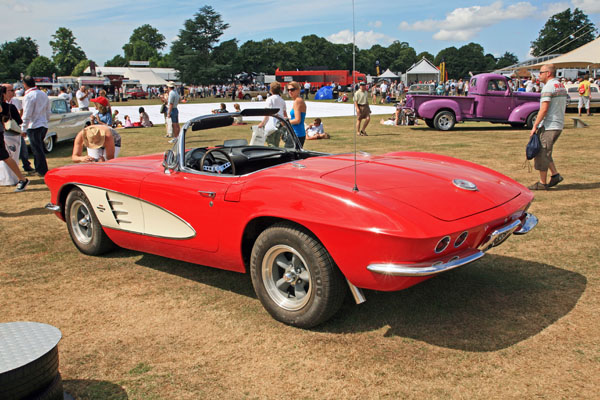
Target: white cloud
463,24
376,24
364,40
588,6
554,8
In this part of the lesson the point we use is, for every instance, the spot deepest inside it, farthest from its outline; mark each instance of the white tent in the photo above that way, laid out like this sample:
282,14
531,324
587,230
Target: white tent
146,77
422,71
388,75
585,56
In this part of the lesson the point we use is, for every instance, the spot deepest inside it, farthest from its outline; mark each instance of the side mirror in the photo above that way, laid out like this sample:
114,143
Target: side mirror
169,161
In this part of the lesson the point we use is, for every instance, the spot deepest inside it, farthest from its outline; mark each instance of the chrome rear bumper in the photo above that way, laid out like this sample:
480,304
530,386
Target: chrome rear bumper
498,236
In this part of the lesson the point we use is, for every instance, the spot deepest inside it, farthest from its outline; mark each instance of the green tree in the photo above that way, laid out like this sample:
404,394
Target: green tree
144,43
425,54
66,54
402,55
191,53
564,32
116,61
506,59
15,56
41,66
79,68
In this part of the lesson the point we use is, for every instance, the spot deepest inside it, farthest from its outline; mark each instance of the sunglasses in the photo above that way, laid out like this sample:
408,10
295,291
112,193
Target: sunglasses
291,89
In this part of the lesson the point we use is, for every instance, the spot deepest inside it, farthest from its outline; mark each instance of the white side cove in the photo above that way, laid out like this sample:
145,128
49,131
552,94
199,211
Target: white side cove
126,213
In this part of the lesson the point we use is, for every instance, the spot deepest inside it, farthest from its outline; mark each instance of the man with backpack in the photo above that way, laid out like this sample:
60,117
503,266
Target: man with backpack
584,95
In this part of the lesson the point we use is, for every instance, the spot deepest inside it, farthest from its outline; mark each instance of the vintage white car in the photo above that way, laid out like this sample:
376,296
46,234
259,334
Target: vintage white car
64,124
573,90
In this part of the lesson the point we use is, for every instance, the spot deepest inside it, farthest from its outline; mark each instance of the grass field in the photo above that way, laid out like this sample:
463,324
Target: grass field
522,322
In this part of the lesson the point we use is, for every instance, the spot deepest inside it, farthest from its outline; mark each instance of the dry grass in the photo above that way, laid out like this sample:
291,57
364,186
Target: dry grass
520,323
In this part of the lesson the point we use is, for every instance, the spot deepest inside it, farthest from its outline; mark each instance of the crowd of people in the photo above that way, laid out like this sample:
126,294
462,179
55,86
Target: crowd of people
30,116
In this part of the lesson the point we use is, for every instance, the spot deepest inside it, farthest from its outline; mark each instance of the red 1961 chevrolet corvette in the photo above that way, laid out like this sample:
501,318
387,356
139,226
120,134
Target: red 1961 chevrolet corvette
308,226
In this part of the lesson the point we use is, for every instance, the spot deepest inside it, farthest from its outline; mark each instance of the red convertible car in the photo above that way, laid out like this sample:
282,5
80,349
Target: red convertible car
308,226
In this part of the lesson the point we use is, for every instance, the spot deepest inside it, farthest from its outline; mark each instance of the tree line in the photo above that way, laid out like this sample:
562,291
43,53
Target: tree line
202,58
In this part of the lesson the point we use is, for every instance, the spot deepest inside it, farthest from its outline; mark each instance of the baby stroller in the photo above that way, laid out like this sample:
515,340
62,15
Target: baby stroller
407,116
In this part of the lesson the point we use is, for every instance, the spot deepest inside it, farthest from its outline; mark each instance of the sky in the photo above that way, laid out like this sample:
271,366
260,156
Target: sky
102,28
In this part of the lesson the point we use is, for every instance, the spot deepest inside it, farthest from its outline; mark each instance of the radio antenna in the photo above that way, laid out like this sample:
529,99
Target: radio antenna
355,188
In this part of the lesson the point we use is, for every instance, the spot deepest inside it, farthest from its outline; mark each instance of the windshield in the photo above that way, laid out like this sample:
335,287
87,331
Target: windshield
233,144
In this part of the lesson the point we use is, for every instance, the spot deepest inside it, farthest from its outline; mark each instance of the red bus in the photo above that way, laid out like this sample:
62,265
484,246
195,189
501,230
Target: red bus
317,79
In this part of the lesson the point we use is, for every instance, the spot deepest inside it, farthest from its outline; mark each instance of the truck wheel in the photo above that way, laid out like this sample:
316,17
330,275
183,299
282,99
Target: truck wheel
444,120
294,276
531,119
247,97
429,122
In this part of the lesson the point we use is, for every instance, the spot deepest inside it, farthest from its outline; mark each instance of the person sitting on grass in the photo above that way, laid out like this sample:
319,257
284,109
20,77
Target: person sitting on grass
221,110
316,131
238,120
128,123
145,119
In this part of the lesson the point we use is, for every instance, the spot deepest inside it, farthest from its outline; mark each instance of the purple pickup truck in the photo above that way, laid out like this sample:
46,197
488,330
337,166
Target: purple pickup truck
490,99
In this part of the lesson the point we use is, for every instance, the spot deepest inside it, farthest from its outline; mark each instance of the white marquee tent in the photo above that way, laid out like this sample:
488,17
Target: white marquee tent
422,71
388,75
586,56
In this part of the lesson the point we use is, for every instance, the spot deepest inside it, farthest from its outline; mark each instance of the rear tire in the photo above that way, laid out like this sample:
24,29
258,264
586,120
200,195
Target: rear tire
83,225
531,119
429,123
444,120
294,276
49,144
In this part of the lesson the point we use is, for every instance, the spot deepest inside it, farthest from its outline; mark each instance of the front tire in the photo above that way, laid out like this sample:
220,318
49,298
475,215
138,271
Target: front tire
294,276
444,120
84,228
531,119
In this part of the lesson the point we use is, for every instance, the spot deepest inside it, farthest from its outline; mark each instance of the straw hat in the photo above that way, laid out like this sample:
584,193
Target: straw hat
93,137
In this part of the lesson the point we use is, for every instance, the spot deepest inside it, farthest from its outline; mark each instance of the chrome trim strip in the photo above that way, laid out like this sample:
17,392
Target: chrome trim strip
530,222
53,207
499,235
421,269
357,293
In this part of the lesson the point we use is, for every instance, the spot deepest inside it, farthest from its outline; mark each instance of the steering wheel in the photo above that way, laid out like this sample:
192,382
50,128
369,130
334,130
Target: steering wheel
192,158
214,167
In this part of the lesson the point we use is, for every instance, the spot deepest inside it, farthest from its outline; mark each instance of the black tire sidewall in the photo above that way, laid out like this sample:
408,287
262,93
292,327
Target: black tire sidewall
326,295
438,116
100,243
531,119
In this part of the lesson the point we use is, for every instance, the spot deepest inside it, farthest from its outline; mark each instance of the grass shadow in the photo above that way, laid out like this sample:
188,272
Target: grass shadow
26,213
577,186
487,306
225,280
87,389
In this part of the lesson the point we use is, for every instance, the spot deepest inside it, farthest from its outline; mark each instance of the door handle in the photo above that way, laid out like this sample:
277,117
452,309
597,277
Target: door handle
210,195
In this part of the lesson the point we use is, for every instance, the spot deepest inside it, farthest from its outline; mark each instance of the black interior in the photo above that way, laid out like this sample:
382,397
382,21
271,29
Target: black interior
247,159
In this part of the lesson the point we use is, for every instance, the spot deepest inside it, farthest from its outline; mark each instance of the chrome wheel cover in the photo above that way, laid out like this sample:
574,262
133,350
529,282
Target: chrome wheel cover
81,222
445,121
49,144
286,277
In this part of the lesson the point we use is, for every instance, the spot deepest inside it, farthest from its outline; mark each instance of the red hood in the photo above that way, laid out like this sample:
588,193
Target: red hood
426,183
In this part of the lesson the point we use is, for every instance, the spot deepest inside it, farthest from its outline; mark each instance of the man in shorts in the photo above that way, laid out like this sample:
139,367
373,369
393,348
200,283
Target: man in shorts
584,95
172,111
550,119
363,112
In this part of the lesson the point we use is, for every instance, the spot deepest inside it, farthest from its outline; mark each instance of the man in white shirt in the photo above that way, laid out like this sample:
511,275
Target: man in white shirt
83,99
551,120
36,114
63,95
306,90
383,88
